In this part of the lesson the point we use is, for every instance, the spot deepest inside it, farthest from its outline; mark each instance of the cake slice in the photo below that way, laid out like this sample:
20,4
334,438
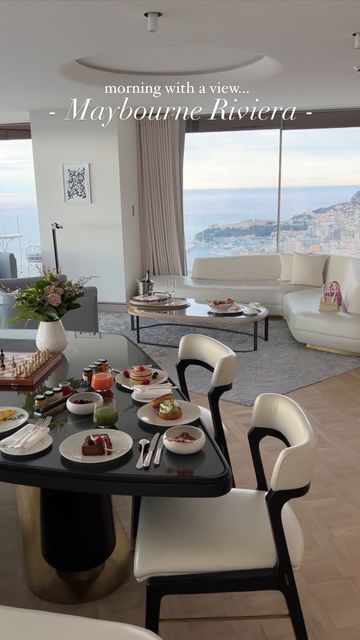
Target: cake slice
97,445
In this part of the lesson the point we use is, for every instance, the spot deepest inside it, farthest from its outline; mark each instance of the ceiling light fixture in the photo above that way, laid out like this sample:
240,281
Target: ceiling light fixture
356,35
153,20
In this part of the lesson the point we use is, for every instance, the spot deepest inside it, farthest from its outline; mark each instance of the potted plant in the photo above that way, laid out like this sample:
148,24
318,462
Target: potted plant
47,300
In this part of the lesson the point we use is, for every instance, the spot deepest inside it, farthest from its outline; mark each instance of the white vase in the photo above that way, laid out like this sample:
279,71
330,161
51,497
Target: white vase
51,335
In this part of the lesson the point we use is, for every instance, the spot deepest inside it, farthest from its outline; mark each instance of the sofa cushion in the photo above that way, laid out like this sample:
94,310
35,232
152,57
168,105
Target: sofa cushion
346,270
286,262
308,269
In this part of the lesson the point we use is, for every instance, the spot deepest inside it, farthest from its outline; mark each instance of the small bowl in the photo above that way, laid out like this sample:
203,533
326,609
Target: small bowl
88,407
184,448
222,306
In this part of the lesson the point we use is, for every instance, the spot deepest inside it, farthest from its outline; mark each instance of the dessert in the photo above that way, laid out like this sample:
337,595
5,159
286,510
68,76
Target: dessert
97,445
216,303
141,374
169,410
159,399
184,436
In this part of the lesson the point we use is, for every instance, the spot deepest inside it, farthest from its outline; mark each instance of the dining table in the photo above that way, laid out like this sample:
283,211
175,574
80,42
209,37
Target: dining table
75,550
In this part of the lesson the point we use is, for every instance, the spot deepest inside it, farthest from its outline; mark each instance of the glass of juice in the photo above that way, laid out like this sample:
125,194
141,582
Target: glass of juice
106,415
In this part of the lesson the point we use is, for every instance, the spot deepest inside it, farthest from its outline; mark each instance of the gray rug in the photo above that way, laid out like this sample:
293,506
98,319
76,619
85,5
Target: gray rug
280,365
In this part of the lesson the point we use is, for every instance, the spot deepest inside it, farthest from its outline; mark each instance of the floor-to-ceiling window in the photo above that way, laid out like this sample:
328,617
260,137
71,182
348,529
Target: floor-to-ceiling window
19,227
236,189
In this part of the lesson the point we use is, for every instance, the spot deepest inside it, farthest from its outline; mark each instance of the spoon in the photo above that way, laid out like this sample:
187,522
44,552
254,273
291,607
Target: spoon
143,443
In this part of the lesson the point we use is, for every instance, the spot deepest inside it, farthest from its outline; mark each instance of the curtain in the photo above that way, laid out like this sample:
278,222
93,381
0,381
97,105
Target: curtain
160,149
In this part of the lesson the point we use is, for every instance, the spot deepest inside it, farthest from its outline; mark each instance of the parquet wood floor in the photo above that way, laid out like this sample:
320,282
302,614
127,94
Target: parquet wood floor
328,581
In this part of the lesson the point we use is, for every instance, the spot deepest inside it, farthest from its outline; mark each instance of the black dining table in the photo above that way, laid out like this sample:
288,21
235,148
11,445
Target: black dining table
75,511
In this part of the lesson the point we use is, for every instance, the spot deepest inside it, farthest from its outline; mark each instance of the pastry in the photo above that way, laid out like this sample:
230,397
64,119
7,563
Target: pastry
169,410
6,413
97,445
159,399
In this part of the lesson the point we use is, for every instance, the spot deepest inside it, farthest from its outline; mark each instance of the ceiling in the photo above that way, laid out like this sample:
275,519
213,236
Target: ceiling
301,52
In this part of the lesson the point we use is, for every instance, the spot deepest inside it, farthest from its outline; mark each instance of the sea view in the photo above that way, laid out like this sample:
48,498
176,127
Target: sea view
203,208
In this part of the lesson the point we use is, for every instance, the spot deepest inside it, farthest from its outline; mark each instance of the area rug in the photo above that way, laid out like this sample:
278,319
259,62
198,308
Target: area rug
280,365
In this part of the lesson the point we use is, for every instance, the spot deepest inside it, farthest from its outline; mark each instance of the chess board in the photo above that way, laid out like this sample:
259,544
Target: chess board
7,377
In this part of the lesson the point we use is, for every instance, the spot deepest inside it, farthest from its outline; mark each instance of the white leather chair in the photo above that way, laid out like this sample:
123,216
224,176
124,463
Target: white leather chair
247,540
17,624
200,350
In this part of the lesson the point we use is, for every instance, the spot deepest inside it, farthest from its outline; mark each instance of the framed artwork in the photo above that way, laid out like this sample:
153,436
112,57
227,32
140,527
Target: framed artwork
76,179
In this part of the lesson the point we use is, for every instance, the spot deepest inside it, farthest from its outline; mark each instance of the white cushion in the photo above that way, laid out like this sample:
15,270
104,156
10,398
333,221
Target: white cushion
286,261
308,269
233,532
263,266
28,624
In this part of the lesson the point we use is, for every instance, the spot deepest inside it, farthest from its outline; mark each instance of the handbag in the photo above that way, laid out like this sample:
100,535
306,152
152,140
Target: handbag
331,298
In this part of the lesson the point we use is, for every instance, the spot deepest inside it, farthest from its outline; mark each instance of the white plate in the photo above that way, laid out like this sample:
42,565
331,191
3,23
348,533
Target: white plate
17,420
190,413
129,384
71,447
37,448
236,308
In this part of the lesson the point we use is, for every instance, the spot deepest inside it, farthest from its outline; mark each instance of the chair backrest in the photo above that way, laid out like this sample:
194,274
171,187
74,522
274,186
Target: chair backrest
206,352
212,354
282,415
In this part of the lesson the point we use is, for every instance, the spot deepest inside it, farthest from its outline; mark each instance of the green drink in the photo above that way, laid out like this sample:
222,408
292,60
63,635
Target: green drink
106,415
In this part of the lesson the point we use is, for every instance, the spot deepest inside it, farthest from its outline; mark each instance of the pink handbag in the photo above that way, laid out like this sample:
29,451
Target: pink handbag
331,298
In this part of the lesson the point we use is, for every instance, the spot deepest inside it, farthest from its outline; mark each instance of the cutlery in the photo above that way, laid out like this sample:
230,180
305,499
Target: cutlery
152,447
143,443
158,451
41,423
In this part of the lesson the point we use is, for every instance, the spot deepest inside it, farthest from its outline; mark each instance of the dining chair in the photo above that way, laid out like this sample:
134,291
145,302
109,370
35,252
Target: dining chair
203,351
17,624
246,540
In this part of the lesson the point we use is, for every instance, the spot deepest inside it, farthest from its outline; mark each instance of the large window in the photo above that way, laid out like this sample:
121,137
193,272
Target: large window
233,202
19,227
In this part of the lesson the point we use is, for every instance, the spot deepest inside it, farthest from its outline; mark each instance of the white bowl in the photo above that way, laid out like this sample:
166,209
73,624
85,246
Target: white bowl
184,448
86,408
224,306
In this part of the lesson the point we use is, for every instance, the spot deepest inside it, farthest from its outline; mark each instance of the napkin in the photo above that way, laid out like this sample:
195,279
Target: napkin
38,434
150,392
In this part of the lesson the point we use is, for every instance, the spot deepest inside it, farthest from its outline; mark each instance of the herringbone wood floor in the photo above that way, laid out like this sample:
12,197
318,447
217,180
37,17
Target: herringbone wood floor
328,581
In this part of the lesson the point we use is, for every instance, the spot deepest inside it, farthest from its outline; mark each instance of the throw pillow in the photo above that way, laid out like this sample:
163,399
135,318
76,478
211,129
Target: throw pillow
286,262
308,269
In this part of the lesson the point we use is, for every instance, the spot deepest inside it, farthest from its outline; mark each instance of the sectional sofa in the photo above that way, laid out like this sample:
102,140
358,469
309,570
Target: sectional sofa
288,285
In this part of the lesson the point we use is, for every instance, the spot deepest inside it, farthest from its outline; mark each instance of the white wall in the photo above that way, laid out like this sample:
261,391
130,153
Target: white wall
100,238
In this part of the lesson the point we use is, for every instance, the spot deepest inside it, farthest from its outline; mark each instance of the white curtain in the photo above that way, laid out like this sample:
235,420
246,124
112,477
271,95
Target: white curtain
160,164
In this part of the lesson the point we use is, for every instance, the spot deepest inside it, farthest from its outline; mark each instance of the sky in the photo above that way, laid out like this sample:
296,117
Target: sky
249,159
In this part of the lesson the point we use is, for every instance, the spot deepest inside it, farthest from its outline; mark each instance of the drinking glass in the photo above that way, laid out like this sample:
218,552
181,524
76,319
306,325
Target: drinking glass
101,380
171,285
106,415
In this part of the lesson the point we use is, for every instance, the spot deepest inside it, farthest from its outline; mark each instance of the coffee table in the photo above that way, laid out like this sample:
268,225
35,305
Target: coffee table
196,314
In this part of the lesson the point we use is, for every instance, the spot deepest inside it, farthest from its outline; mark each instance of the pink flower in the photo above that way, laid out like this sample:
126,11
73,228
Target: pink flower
54,299
59,290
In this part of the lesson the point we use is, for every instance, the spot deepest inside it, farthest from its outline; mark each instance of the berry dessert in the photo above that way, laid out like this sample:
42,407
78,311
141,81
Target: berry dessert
169,410
97,445
184,436
141,374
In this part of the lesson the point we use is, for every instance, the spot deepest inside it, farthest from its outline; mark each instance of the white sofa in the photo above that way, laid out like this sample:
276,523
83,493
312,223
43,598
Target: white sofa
249,278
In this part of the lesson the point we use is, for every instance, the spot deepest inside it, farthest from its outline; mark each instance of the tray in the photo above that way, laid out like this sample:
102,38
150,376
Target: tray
171,305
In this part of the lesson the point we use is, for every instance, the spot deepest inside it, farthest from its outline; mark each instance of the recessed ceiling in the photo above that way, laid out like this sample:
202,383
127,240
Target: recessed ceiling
307,51
172,61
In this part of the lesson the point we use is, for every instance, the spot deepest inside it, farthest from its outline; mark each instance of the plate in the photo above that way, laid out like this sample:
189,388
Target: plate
17,420
154,297
190,413
71,447
37,448
129,384
236,308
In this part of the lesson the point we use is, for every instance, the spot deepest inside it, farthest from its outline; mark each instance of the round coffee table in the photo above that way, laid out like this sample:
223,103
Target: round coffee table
193,313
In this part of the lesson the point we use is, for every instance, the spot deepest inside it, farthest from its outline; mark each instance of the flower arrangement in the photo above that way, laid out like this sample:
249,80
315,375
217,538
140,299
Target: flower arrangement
48,298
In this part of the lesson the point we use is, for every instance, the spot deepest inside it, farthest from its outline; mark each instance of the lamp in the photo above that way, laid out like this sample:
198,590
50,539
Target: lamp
54,227
153,20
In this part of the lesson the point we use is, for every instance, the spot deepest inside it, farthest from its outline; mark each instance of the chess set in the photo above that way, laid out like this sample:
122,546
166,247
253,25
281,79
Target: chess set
26,369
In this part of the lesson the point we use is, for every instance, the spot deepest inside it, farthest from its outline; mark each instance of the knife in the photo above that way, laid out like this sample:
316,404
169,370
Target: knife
158,451
151,450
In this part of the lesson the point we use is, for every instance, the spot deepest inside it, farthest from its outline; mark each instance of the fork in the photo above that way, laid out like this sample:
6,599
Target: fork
41,422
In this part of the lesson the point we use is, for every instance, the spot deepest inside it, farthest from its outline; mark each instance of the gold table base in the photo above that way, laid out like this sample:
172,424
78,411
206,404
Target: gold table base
74,587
